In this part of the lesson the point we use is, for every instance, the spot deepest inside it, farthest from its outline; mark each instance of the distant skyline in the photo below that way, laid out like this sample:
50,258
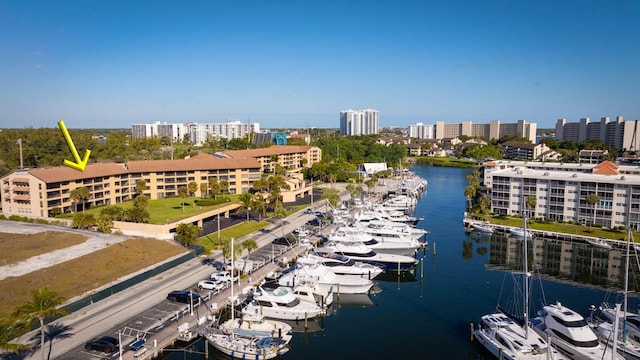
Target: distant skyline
110,64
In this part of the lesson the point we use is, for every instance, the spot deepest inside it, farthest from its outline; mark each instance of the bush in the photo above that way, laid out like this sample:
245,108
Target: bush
42,221
210,202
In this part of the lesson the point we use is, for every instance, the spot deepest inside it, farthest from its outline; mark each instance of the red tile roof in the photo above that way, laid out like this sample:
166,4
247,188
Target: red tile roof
606,168
272,150
65,173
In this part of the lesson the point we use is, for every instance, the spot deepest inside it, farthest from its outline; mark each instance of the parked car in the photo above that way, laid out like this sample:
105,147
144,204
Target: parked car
308,211
105,344
302,232
211,285
223,276
283,241
183,296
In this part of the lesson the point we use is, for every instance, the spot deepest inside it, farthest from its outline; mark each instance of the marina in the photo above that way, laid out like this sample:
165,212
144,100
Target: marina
434,304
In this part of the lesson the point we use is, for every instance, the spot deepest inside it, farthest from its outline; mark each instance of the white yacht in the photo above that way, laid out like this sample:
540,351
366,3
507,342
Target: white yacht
308,271
350,235
520,232
280,303
374,226
342,265
255,325
570,333
313,294
364,253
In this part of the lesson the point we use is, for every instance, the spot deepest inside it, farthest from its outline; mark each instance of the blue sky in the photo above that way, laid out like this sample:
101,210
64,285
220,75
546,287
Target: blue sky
299,63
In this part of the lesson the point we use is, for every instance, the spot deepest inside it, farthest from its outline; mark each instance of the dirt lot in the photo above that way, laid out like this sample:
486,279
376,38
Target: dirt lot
84,273
17,247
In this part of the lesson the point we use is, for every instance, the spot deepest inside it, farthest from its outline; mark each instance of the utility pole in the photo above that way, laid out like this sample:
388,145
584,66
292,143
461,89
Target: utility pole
21,162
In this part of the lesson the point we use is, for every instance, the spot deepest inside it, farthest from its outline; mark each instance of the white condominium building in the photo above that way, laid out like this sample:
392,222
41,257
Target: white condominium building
561,191
420,131
198,133
620,134
359,122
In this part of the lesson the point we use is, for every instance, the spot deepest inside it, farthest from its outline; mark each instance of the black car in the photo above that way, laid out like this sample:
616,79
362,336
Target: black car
182,296
105,344
283,241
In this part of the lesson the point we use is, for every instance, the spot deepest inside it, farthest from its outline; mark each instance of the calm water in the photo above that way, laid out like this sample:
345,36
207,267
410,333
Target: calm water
429,317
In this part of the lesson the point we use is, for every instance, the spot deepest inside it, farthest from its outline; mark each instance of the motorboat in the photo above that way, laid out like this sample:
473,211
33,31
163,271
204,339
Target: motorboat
482,228
281,303
520,232
342,265
316,274
255,325
246,343
600,243
364,253
386,228
351,235
570,333
509,337
313,294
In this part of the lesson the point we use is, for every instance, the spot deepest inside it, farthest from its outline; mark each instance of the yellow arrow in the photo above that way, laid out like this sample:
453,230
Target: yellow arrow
80,164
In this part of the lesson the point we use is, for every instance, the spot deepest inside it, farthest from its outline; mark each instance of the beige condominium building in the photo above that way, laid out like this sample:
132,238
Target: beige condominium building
561,191
288,156
35,192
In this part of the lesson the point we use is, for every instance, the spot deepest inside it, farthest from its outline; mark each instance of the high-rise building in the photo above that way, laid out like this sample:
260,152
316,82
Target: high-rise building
620,134
420,131
493,130
359,122
198,133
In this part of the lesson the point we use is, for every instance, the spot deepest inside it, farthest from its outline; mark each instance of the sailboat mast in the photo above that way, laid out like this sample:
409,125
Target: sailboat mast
626,286
526,270
232,272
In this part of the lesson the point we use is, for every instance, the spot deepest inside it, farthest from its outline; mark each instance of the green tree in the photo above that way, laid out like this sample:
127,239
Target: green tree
79,194
593,199
484,203
141,186
182,193
470,193
214,186
138,215
224,186
530,204
249,245
141,201
245,203
258,204
10,331
83,221
104,224
187,233
226,249
203,189
193,187
44,303
332,196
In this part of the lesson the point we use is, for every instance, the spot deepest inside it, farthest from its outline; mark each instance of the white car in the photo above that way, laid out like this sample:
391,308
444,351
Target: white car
302,232
223,276
211,285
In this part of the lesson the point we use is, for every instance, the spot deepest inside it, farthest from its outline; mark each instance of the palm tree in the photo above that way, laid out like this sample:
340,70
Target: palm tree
182,192
44,303
80,194
593,199
258,204
245,203
332,196
224,186
203,189
187,233
193,187
470,193
530,203
250,245
10,331
214,186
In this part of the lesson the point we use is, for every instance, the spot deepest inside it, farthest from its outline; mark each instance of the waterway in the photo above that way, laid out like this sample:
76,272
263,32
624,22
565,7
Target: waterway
460,278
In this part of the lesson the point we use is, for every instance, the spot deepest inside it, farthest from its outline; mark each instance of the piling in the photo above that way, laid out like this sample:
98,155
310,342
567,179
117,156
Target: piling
306,323
434,248
471,334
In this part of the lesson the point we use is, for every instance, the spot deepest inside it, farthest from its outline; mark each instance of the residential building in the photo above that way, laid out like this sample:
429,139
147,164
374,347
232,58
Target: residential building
36,192
516,150
493,130
288,156
620,134
197,133
592,156
561,191
420,131
359,122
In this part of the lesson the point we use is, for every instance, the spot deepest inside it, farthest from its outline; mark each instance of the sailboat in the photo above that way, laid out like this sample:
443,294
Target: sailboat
628,340
508,337
247,344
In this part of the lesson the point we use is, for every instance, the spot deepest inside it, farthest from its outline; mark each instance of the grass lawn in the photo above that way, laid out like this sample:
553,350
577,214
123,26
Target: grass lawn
168,210
237,231
75,277
562,228
18,247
